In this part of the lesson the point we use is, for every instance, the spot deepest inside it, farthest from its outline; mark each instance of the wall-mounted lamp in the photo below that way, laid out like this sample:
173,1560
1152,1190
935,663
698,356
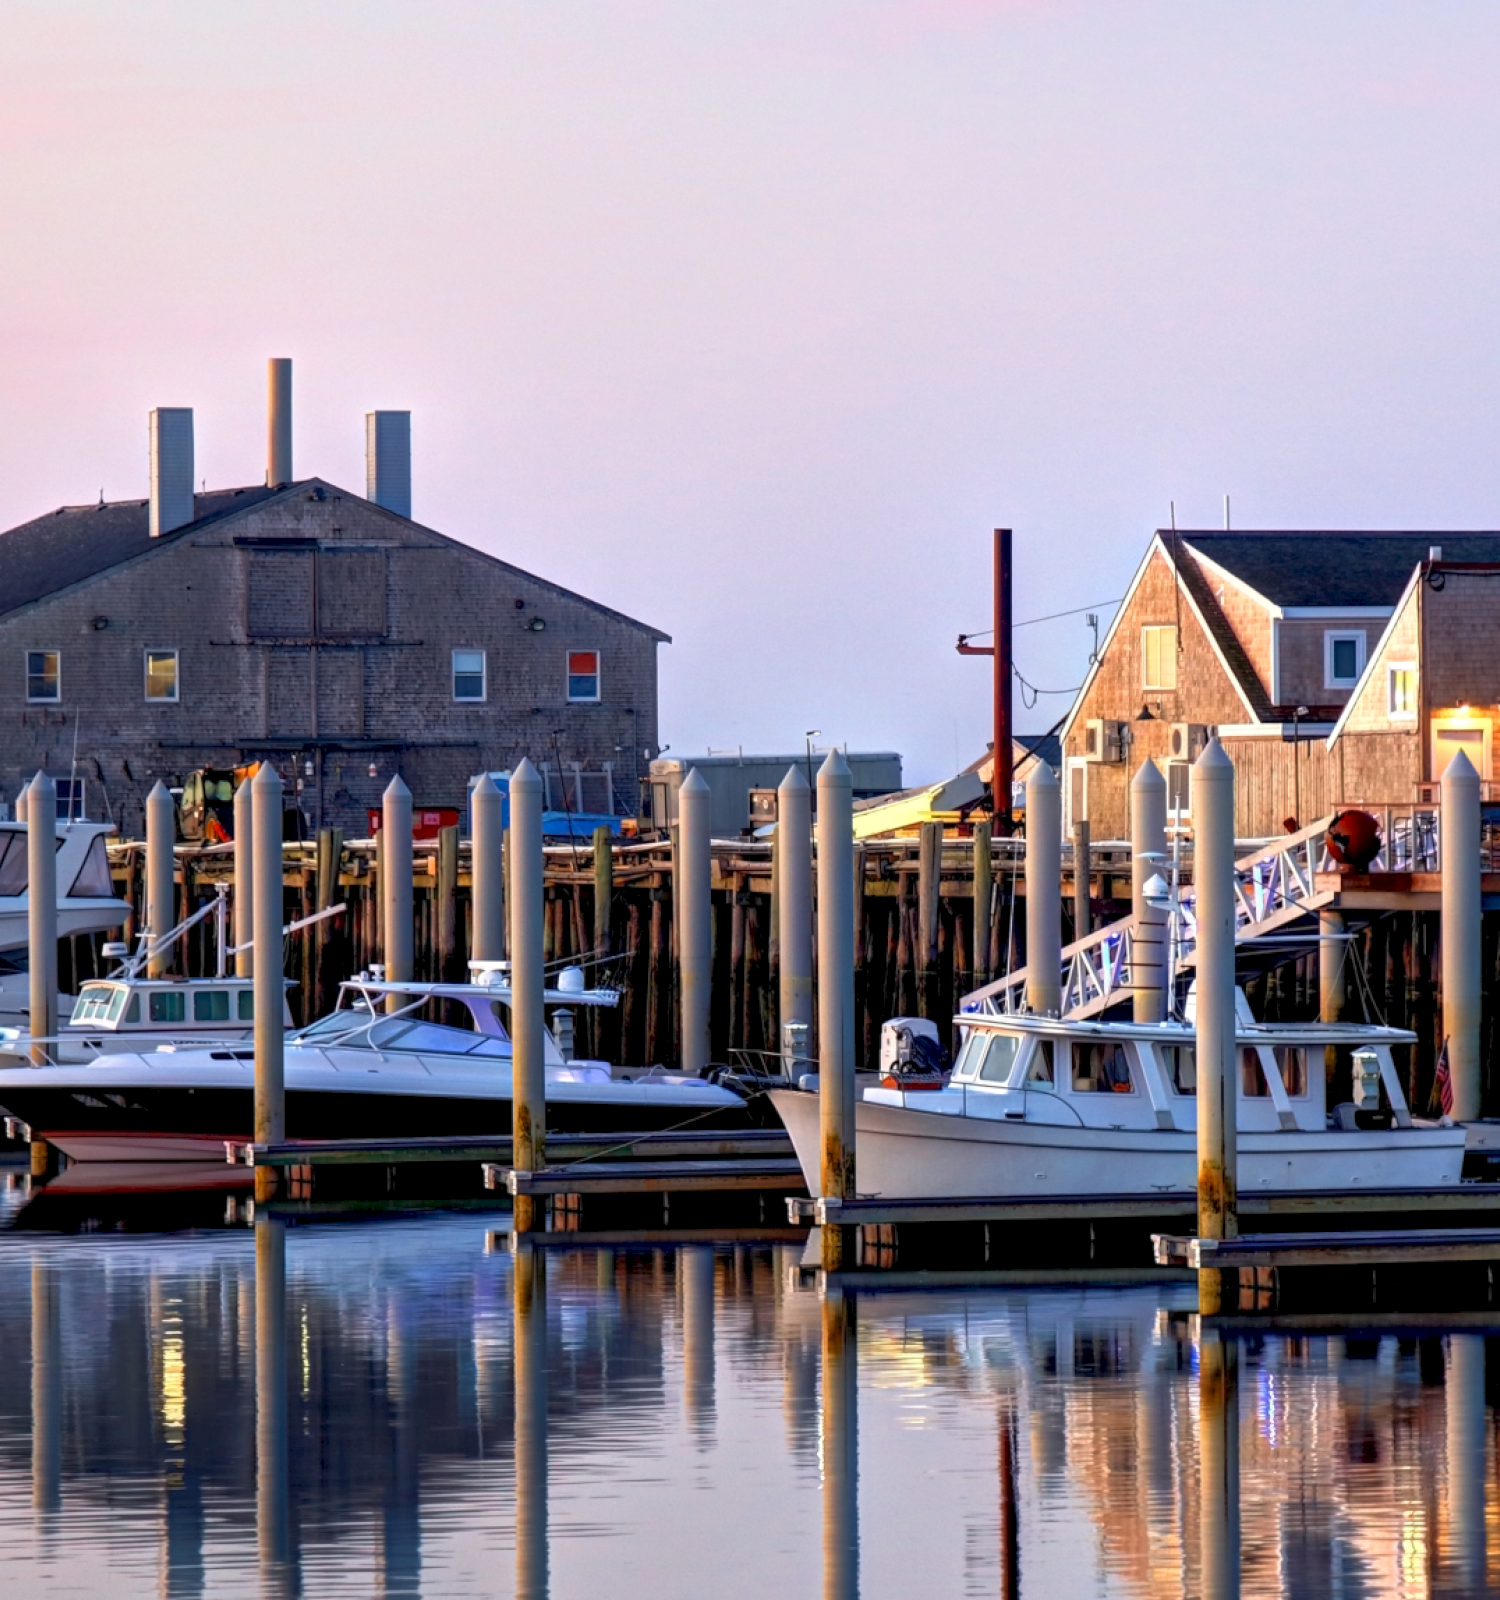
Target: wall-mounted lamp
536,625
374,770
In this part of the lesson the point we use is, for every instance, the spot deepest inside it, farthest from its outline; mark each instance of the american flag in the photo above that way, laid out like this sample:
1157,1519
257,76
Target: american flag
1442,1082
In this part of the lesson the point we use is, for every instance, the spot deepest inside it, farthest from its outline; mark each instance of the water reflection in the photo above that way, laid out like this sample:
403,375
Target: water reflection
411,1409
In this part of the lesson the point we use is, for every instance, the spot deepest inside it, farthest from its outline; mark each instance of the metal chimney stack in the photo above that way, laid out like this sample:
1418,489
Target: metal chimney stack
171,468
279,420
388,460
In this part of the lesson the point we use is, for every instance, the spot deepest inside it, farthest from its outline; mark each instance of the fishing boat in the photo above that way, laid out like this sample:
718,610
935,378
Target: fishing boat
1037,1105
363,1071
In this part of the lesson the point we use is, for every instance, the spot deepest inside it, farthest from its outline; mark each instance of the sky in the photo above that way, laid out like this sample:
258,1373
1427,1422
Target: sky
753,320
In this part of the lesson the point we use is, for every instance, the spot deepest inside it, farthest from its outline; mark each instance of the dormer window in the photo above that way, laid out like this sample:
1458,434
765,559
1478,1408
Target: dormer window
1343,659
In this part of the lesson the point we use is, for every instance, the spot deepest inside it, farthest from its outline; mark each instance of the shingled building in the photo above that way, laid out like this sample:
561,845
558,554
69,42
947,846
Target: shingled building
297,622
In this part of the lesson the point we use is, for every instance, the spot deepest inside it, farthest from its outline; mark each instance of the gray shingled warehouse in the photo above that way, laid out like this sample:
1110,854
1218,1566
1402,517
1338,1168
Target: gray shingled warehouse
304,624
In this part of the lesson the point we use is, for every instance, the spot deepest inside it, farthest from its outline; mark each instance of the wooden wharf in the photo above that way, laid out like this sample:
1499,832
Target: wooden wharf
650,1177
1376,1247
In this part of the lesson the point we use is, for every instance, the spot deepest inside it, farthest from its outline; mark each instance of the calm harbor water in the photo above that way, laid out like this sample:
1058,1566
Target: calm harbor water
406,1408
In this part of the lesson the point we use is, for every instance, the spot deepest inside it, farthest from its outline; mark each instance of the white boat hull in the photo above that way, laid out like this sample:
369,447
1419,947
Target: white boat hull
919,1155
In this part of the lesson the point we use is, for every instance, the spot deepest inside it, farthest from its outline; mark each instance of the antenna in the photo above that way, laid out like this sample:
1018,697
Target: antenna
1176,579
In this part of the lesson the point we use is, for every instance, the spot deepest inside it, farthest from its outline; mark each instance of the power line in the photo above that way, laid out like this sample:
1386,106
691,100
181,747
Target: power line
1051,616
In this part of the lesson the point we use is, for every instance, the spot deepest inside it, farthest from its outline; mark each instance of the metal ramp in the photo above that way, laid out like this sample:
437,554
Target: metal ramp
1274,887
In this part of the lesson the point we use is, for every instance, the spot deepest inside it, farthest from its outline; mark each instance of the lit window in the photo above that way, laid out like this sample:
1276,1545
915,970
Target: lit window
161,674
1343,659
43,675
583,675
1402,697
1159,658
468,674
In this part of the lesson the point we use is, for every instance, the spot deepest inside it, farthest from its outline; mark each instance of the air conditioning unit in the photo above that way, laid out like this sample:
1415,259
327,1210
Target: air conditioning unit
1104,740
1187,740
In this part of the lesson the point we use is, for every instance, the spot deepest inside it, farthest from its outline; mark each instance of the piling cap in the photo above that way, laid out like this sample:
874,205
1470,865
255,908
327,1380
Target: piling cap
486,786
396,790
525,776
1461,770
1213,766
267,779
835,771
1148,778
42,784
695,783
1042,778
160,794
792,780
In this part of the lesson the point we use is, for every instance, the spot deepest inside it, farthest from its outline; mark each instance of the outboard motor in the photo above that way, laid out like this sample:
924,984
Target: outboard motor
912,1055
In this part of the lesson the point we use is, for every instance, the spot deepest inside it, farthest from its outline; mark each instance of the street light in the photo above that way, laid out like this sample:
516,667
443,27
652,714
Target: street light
810,735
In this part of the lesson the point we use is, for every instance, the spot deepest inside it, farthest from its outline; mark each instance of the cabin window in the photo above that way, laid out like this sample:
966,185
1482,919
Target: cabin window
1158,658
1039,1073
15,868
1343,659
583,675
247,1005
168,1005
1401,691
93,881
211,1005
133,1010
161,675
43,675
1101,1067
1291,1063
1252,1075
468,675
999,1058
117,1005
1182,1067
93,1003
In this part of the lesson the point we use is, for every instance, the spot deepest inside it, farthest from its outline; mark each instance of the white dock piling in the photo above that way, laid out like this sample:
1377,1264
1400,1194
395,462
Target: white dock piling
487,813
528,983
1213,856
1043,891
696,1264
794,908
161,897
244,880
1148,847
41,911
1462,983
836,1091
694,911
270,1065
21,802
396,888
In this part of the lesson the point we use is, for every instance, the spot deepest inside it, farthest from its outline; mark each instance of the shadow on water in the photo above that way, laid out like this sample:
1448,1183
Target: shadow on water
416,1408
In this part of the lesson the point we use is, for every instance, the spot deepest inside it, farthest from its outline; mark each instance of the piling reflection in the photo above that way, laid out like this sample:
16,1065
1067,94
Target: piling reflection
358,1411
1219,1464
272,1461
529,1334
840,1441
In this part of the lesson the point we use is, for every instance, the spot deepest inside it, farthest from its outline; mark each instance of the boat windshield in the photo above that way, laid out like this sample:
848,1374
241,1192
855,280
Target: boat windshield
98,1003
356,1030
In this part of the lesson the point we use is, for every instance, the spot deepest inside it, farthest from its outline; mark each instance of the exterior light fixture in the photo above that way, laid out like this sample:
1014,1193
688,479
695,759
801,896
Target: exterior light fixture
374,770
536,625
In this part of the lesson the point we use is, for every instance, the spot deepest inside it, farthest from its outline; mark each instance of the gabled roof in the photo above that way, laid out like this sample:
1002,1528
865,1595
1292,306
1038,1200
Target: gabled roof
74,543
1314,568
1374,658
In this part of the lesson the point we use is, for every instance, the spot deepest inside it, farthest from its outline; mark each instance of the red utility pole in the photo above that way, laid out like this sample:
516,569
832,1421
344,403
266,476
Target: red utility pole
1000,651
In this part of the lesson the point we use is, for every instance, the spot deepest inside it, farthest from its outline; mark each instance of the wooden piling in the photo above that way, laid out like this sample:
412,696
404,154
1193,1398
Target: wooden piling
446,892
983,889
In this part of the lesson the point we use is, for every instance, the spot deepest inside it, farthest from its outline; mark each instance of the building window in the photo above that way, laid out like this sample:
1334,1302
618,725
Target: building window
161,675
468,675
583,675
43,675
1159,658
1343,659
1401,694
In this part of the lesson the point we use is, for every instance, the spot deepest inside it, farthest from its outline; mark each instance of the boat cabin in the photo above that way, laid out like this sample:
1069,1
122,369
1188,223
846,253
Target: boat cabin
152,1005
1143,1075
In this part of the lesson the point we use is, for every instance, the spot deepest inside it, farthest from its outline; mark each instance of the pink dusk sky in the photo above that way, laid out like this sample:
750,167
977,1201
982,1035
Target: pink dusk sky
753,320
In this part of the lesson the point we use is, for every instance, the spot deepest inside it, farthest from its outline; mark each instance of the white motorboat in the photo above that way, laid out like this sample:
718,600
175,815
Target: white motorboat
1039,1106
86,900
360,1072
